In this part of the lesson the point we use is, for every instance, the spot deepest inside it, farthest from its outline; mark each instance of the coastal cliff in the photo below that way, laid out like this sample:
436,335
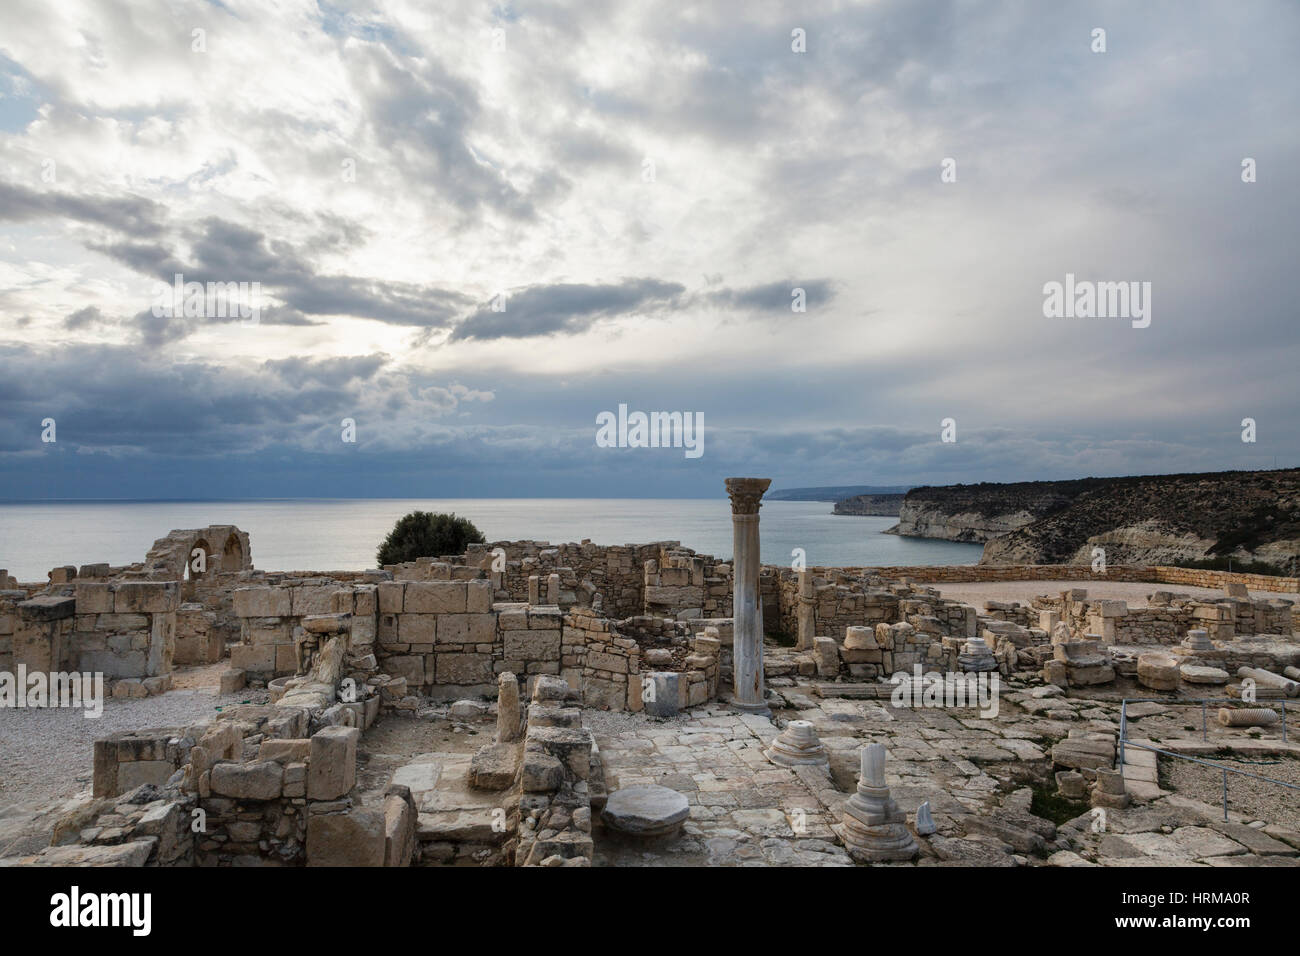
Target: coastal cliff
887,505
1151,519
979,513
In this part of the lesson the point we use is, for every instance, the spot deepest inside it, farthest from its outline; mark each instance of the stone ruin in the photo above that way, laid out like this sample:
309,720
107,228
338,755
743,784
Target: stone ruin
779,676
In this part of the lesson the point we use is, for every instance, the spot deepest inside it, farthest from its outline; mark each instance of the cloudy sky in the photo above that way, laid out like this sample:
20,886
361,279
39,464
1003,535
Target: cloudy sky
642,186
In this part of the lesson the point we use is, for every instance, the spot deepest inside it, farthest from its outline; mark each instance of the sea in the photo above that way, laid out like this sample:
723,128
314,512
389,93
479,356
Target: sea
344,534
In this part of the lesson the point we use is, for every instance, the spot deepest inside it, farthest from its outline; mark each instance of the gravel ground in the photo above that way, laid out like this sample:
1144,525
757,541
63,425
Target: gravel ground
1135,593
49,754
1254,799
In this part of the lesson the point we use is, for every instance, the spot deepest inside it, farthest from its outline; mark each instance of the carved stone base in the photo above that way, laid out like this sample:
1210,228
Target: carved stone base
797,745
871,825
877,844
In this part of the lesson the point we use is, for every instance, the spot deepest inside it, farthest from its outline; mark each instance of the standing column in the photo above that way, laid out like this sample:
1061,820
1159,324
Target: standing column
747,649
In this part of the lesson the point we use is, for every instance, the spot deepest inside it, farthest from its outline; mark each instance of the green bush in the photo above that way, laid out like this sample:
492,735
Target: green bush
426,534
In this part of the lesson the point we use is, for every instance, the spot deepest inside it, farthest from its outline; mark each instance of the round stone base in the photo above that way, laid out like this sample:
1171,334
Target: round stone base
877,844
977,665
645,810
1158,671
787,760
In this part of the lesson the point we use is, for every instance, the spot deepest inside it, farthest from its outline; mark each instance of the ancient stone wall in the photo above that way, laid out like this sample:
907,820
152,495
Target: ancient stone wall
841,600
195,552
1167,618
445,638
1157,574
126,629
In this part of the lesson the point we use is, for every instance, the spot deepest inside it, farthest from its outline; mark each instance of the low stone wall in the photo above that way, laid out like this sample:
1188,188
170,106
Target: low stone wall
616,571
1148,574
246,788
603,666
124,630
1166,620
270,618
840,600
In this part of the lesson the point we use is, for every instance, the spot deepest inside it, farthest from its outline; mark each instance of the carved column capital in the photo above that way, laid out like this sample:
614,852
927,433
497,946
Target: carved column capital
746,494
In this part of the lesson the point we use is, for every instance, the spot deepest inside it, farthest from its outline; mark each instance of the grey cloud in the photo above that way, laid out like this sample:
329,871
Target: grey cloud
569,308
773,296
83,318
130,215
224,251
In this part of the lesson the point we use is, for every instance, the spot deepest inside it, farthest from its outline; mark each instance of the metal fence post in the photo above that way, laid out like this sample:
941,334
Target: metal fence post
1123,721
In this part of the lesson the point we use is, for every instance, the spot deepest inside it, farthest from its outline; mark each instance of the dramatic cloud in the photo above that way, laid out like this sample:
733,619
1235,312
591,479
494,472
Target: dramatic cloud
473,232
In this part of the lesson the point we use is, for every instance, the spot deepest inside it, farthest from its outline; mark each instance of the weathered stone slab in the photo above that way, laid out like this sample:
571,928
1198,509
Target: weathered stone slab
645,810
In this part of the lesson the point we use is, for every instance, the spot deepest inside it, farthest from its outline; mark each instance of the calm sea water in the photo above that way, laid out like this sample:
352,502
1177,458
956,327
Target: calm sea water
343,534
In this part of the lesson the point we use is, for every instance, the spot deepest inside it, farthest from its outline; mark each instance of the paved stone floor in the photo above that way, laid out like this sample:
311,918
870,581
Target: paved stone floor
976,773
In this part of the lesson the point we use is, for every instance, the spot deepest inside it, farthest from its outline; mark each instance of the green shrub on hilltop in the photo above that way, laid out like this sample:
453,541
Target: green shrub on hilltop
427,534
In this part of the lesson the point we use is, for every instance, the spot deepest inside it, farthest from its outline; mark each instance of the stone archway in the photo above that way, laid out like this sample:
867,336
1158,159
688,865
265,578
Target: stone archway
232,555
198,559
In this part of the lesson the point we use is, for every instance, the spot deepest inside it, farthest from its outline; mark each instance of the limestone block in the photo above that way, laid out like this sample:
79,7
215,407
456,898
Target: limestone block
335,623
826,653
399,829
355,838
464,669
511,617
436,597
47,608
332,767
391,597
540,773
261,602
94,597
138,772
408,666
261,780
1203,675
293,750
493,767
602,694
860,639
365,601
312,599
467,629
295,780
417,628
146,597
253,659
1082,753
607,662
535,646
478,597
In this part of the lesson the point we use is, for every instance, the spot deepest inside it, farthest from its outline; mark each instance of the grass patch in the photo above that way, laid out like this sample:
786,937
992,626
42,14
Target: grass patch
1050,805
